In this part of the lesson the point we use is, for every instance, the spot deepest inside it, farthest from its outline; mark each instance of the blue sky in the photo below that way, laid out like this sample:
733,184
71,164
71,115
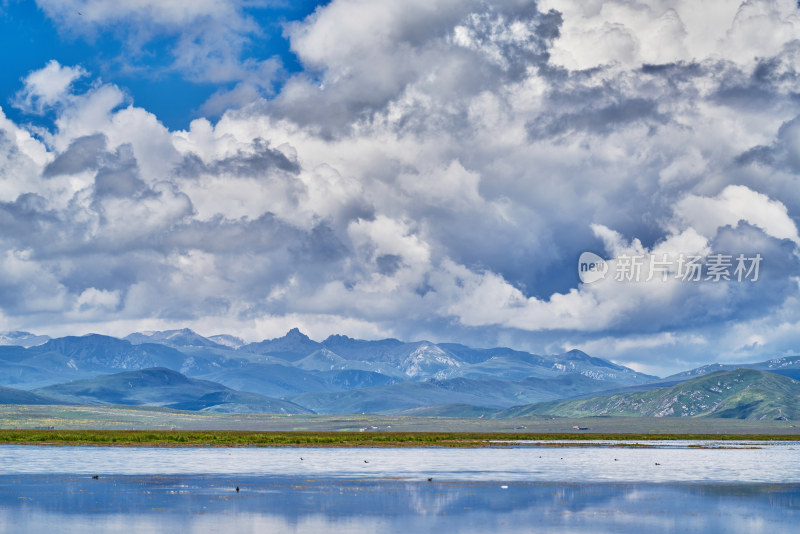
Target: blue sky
145,72
417,169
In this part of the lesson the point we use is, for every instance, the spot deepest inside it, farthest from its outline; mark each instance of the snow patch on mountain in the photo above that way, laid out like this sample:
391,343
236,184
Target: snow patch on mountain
22,339
428,360
226,340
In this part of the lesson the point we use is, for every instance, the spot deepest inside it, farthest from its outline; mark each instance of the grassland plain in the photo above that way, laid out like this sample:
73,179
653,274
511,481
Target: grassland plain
96,424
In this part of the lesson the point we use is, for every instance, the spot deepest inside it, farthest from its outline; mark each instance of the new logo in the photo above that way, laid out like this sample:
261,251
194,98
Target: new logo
591,267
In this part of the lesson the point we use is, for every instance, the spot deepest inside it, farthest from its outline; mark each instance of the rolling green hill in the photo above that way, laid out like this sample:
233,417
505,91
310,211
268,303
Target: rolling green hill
17,396
163,387
444,410
738,394
479,393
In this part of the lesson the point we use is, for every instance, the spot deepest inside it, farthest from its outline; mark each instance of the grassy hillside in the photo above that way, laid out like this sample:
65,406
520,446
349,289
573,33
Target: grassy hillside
480,393
17,396
163,387
445,410
738,394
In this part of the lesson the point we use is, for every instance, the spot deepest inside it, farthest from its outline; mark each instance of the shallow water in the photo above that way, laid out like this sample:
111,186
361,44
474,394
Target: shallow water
542,489
677,462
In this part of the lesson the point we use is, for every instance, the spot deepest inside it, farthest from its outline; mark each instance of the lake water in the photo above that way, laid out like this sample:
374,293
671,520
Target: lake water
667,486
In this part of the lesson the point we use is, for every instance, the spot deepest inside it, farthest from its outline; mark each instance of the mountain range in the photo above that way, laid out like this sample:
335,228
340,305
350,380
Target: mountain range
294,374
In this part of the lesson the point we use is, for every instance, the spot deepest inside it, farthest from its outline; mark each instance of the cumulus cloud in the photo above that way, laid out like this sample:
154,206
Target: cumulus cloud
631,33
736,203
83,154
94,299
46,88
435,171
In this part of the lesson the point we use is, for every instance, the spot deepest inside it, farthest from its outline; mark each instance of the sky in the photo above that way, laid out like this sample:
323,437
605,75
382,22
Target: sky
418,169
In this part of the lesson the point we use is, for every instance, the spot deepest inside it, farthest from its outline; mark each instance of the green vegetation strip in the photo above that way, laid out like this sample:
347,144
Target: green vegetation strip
186,438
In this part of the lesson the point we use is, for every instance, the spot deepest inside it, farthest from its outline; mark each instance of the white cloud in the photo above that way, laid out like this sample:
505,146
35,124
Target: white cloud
47,87
30,286
735,203
615,346
177,12
22,158
127,219
633,33
97,300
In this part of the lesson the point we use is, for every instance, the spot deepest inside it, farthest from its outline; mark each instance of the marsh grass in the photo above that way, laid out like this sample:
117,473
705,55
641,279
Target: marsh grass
179,438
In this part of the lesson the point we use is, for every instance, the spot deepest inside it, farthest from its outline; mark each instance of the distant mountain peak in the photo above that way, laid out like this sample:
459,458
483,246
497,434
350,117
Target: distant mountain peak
94,338
14,334
187,331
576,353
22,339
293,345
184,337
296,334
334,338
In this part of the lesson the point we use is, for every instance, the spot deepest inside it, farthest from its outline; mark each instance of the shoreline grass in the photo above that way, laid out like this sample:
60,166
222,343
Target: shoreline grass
191,438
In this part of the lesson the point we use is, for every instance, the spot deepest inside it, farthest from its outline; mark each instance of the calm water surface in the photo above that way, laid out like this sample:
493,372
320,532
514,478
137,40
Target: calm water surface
668,487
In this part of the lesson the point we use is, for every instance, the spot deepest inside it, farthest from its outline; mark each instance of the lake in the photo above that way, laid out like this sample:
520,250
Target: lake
665,486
